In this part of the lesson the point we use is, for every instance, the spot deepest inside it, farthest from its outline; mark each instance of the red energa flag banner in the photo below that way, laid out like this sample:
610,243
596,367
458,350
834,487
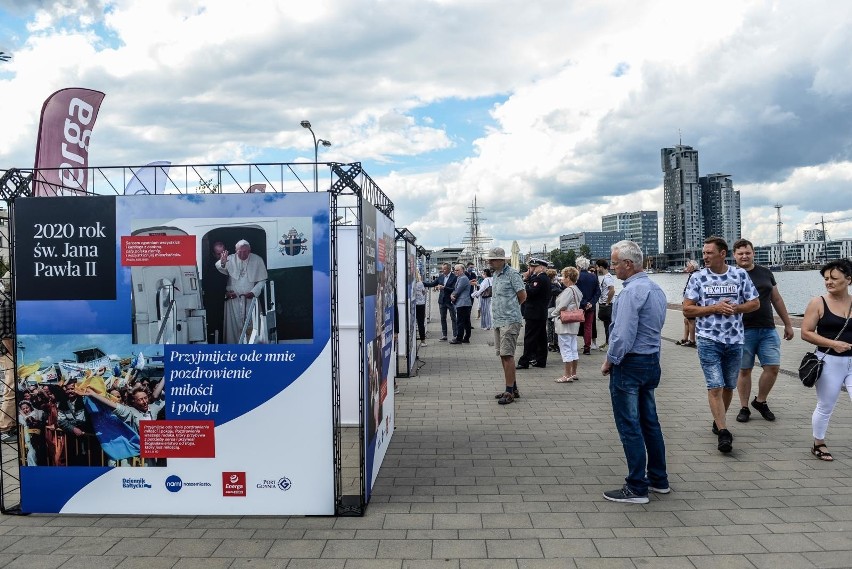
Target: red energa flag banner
62,151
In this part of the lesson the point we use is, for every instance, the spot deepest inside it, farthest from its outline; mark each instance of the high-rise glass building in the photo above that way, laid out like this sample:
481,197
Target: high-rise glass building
683,218
721,207
639,226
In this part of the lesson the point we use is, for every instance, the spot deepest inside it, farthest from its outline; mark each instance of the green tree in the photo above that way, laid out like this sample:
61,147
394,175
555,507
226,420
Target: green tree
586,251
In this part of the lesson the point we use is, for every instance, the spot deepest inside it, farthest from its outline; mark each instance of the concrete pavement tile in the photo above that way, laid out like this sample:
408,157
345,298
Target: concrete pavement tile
732,544
691,531
610,563
371,564
775,560
459,549
208,563
37,561
606,520
480,508
433,509
34,531
332,533
130,532
662,563
35,544
141,562
829,559
484,533
296,548
833,540
386,534
191,547
752,516
407,521
644,519
497,521
93,545
515,548
555,520
750,529
404,549
839,513
180,533
560,563
623,547
279,534
425,534
89,561
788,543
459,521
568,547
702,518
138,546
181,522
430,564
262,522
800,514
640,532
535,533
795,527
721,562
350,549
679,546
243,548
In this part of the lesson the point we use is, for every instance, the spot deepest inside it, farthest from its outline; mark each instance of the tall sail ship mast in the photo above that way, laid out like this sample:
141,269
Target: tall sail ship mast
475,242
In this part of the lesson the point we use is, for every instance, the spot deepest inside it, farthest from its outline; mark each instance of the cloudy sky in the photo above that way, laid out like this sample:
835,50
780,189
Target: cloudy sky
551,112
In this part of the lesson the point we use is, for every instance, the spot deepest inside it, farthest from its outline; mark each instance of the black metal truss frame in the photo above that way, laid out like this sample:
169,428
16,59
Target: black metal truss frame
349,186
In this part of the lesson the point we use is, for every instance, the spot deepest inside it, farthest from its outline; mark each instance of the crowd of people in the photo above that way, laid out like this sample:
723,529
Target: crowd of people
58,428
729,315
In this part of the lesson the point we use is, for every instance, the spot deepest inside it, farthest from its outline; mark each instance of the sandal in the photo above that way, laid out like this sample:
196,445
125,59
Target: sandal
564,379
682,342
690,344
822,454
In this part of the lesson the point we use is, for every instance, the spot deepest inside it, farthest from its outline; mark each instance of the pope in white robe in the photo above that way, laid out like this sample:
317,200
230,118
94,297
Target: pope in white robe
246,279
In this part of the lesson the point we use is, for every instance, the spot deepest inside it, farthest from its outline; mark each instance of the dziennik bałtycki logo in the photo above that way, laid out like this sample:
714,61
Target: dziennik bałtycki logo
134,483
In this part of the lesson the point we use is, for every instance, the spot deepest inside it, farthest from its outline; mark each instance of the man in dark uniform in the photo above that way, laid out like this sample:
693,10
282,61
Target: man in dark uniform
535,315
446,283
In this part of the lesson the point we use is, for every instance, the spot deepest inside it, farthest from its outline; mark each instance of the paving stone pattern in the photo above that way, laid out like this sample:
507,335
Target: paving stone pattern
470,484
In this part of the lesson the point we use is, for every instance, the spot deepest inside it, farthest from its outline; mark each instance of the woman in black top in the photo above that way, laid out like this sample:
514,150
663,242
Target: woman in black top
826,325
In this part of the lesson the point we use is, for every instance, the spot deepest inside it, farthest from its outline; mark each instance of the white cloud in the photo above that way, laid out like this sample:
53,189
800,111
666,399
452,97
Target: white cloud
590,93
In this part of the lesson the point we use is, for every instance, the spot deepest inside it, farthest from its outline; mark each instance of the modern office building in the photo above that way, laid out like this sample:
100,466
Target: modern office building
451,255
599,242
721,207
683,217
813,235
639,226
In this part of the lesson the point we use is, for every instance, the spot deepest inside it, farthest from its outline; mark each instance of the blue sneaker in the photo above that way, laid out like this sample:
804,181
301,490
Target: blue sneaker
625,495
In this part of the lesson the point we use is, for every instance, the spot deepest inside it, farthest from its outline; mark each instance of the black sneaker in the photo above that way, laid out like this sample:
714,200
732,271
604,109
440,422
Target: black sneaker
726,440
743,415
625,495
763,409
715,429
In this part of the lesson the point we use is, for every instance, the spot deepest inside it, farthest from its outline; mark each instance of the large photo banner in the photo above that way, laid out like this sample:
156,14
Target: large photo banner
380,323
174,354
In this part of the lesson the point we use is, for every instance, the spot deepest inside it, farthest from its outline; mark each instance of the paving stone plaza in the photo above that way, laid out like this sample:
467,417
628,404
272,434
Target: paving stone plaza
470,484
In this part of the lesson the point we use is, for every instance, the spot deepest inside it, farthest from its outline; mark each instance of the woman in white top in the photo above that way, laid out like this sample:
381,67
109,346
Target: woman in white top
483,293
566,332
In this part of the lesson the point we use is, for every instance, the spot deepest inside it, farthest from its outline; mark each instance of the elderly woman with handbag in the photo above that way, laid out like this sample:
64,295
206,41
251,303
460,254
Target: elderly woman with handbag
824,319
567,315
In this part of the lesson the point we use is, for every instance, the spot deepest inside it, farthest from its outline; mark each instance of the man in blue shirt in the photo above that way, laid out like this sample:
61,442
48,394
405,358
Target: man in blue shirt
633,365
507,296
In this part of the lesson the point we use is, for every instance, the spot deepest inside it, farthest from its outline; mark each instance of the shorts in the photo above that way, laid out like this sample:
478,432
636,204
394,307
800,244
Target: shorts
506,339
720,362
763,343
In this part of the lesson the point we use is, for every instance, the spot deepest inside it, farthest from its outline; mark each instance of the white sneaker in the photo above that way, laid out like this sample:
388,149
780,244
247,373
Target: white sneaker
594,345
423,344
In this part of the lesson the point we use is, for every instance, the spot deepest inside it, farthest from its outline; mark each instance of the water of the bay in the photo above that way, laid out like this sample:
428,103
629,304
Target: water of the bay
796,287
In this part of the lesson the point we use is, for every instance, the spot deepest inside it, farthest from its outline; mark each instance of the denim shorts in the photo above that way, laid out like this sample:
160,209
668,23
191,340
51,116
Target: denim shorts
763,343
720,362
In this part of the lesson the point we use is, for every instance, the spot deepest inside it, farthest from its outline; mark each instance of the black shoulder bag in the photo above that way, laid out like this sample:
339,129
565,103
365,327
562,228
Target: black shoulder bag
811,366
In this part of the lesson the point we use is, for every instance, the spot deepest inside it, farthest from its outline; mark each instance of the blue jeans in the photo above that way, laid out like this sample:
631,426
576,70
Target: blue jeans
631,387
720,362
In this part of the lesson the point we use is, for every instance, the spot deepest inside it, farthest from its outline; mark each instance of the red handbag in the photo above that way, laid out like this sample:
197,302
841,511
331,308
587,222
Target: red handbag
570,316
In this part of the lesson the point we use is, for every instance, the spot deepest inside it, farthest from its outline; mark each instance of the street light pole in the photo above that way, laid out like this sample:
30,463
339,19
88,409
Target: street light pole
307,124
